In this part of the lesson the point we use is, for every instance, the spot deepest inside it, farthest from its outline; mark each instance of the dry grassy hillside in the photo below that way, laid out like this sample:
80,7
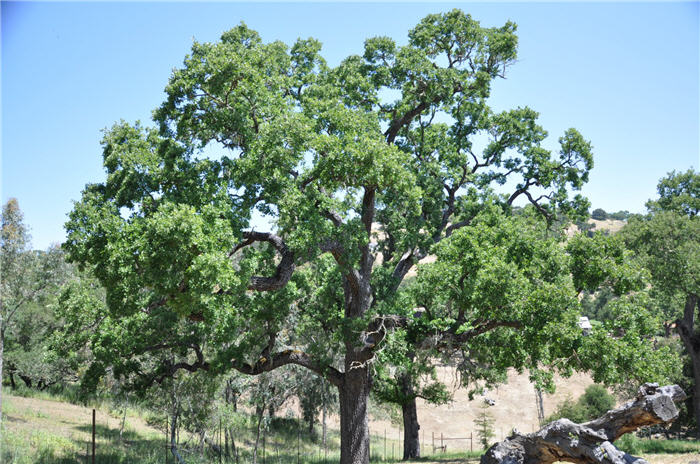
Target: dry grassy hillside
515,407
62,419
610,225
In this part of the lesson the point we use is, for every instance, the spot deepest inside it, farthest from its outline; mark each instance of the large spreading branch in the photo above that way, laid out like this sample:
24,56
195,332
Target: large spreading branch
285,268
282,358
590,442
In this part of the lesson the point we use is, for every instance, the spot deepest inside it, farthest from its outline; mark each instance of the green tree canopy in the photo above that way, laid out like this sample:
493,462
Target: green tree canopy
360,169
678,192
667,241
27,279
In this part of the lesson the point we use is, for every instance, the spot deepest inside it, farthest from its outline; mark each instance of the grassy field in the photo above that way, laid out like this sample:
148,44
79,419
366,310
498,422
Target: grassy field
43,430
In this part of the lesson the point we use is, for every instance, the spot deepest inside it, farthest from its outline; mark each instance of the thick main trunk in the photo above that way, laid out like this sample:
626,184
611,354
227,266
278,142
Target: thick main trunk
591,442
411,437
354,428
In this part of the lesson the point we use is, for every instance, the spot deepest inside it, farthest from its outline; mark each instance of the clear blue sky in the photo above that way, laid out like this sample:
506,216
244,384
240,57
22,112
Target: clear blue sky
625,75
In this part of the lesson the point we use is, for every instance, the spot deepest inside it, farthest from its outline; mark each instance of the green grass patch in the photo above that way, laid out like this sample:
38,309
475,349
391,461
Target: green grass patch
635,445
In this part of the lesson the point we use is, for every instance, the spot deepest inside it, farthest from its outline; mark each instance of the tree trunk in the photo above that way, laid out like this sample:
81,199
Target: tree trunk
173,444
353,392
411,437
123,423
260,411
234,450
691,340
311,425
411,441
591,442
13,385
26,379
354,429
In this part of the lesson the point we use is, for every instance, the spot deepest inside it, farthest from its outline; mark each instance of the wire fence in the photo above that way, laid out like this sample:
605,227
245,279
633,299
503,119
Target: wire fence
273,447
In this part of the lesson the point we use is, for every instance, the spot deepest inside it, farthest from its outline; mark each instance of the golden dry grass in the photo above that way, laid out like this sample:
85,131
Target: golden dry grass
515,408
62,419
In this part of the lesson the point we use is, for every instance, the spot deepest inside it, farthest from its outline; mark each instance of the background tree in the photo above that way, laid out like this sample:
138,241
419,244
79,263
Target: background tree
621,215
26,276
484,426
376,156
316,396
27,351
599,214
667,241
402,375
678,192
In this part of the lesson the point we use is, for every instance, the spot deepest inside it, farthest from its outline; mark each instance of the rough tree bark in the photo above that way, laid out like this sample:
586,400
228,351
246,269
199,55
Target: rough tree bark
411,441
354,427
590,442
691,340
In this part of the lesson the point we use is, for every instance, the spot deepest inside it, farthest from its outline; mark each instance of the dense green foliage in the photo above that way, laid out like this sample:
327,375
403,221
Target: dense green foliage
678,193
28,286
667,243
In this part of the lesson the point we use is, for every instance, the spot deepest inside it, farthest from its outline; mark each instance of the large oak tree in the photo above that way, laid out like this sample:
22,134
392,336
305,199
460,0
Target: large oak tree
361,169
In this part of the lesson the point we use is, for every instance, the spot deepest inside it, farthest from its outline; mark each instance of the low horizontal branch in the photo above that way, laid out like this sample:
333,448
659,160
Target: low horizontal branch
282,358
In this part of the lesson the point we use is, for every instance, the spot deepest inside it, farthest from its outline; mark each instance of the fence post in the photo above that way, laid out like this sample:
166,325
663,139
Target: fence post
93,435
471,441
299,442
166,439
442,446
220,449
